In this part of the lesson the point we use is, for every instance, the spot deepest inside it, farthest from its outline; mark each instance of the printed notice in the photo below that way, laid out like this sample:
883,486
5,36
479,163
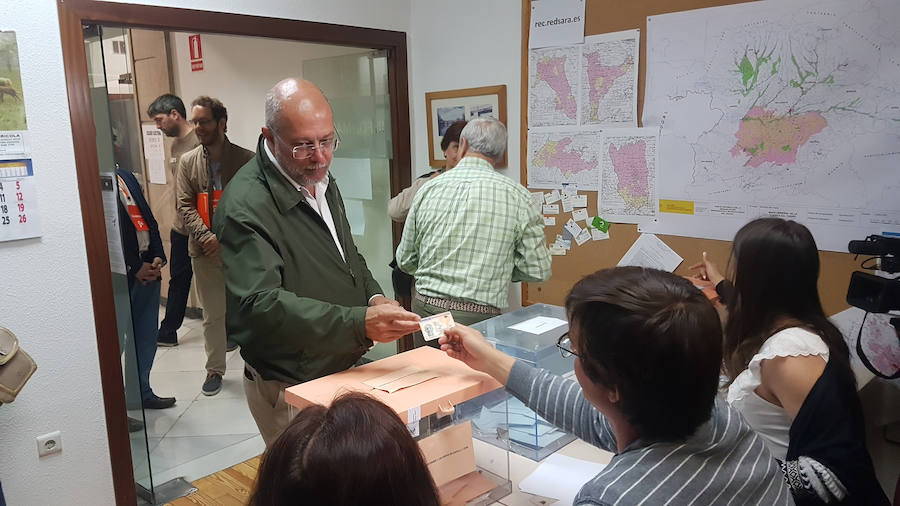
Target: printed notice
650,251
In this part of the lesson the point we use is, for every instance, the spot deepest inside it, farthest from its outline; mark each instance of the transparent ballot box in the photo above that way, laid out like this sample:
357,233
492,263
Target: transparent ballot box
438,397
529,334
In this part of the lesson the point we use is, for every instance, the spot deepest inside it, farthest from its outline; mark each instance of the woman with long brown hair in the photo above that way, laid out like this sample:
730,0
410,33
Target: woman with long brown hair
356,451
789,366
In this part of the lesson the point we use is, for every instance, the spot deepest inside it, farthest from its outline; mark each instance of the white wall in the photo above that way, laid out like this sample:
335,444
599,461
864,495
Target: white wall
466,44
239,71
381,14
46,298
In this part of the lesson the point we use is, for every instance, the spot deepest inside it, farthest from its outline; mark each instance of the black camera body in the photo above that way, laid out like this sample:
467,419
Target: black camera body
873,293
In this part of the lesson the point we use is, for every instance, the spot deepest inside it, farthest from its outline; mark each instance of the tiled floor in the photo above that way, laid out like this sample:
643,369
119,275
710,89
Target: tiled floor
199,435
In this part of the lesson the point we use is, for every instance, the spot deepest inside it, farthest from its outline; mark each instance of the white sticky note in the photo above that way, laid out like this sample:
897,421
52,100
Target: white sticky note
537,198
549,221
569,189
573,227
579,215
578,200
557,250
551,209
583,237
567,205
598,235
552,197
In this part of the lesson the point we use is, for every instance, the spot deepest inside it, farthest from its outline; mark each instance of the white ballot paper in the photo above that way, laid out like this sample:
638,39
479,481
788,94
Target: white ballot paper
560,477
538,324
650,251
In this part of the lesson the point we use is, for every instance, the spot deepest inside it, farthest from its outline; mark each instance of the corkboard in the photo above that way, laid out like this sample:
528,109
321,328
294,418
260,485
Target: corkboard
603,16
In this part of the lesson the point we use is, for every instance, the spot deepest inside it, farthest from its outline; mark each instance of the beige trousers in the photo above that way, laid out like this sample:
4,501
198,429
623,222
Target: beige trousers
266,401
211,291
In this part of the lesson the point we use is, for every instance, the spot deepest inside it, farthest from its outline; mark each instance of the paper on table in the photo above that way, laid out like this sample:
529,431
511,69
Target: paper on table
560,477
406,377
538,324
650,251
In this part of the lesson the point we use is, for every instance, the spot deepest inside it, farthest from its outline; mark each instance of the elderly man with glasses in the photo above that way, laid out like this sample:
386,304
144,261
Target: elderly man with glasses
202,175
301,301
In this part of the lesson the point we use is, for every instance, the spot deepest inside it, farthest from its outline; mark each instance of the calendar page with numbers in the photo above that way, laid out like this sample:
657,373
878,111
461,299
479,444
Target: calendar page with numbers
19,218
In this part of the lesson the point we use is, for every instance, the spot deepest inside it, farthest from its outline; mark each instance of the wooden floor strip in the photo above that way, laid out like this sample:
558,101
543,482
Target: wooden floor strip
229,487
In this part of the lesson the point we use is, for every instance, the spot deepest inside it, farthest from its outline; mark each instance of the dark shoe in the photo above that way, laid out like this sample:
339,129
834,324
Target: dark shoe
157,402
135,425
231,345
212,385
166,341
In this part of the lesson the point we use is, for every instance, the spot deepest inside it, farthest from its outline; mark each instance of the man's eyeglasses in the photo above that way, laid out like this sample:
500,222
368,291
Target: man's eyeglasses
565,346
308,149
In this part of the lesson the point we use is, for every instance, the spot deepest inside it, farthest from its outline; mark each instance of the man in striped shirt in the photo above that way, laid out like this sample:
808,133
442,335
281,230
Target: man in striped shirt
648,349
471,231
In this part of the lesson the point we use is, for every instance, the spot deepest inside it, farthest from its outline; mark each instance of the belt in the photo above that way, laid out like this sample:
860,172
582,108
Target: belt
456,305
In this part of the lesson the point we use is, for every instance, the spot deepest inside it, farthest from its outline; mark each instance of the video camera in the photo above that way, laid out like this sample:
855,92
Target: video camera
876,294
869,292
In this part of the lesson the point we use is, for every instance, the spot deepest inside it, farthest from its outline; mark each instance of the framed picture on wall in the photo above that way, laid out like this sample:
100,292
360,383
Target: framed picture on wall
447,107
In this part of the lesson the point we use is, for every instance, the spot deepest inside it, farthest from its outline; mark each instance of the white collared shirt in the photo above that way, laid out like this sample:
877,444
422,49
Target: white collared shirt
317,202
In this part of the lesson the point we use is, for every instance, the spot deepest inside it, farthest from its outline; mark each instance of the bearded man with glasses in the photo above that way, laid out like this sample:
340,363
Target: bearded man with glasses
202,175
301,300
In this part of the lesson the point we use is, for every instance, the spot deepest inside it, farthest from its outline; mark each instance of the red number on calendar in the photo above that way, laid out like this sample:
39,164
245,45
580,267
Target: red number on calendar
21,208
18,185
22,218
19,196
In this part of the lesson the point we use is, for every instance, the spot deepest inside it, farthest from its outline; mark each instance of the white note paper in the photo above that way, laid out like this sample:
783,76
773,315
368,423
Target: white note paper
560,477
538,324
650,251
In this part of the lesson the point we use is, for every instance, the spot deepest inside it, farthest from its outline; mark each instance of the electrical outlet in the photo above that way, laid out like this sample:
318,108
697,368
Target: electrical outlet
49,443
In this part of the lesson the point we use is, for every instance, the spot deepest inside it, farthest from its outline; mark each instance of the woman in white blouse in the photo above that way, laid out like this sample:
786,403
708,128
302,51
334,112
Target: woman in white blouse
787,364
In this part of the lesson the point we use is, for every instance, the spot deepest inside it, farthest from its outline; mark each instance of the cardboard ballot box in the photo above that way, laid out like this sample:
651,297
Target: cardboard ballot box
436,396
529,334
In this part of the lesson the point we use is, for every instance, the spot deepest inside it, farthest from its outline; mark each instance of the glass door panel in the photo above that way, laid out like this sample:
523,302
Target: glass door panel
357,88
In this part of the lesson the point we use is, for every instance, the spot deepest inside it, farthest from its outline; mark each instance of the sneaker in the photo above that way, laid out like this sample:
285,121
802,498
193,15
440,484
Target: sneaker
230,346
213,384
157,402
135,425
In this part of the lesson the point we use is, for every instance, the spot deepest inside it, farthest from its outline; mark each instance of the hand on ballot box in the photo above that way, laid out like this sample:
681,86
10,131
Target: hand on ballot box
469,346
387,322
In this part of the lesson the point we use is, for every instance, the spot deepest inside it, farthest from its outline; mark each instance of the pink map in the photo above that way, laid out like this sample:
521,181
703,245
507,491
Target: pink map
553,72
630,165
602,77
555,154
768,138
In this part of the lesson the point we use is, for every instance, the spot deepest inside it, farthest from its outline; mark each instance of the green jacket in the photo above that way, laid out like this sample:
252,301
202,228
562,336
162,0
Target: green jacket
296,308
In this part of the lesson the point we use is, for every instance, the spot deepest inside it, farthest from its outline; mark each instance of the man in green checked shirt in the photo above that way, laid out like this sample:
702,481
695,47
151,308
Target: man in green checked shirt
471,232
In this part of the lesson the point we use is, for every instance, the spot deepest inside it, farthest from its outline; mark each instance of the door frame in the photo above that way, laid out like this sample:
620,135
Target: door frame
72,15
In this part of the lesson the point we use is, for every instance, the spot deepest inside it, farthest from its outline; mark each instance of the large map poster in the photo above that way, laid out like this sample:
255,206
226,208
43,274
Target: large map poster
785,109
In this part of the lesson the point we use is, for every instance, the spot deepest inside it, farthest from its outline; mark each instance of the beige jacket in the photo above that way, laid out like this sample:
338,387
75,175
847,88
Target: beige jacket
398,207
194,178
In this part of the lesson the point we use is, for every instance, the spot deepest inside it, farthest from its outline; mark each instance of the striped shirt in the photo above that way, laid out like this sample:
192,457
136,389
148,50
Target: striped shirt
723,462
470,231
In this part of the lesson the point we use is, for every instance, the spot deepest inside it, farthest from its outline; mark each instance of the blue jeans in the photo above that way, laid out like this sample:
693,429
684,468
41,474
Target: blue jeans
144,320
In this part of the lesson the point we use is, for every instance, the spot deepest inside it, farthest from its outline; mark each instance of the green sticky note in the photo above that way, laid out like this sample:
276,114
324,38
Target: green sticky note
600,224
